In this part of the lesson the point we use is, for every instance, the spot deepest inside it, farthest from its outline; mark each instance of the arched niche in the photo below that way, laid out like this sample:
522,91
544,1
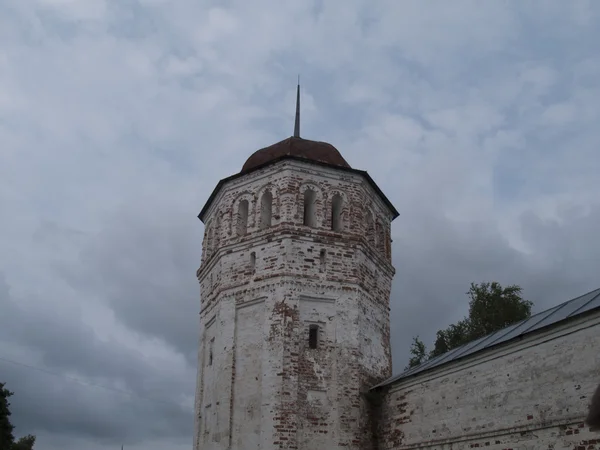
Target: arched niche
380,236
370,226
268,207
217,231
337,213
208,238
241,215
310,202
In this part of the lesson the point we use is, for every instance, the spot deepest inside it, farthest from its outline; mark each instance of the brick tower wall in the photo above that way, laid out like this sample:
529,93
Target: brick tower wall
265,286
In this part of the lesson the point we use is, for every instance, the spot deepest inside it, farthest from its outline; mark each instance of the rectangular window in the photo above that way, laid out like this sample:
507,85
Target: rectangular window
322,256
313,336
310,209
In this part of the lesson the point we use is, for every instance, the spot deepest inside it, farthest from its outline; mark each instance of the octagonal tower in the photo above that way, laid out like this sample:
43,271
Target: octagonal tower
295,284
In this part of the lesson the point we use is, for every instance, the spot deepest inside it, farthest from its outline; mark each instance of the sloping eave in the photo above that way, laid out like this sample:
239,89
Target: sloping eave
363,173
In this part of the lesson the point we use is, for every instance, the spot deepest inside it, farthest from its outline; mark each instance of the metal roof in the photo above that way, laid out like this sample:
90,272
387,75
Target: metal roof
552,316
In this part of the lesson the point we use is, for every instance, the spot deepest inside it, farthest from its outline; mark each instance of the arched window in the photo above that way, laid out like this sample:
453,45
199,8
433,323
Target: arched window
322,257
253,261
336,212
310,208
242,218
266,209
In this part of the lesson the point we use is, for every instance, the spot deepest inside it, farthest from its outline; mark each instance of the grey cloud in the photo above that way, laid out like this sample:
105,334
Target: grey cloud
437,262
117,120
144,264
52,400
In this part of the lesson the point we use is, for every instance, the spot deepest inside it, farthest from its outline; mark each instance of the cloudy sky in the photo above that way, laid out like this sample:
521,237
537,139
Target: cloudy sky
479,120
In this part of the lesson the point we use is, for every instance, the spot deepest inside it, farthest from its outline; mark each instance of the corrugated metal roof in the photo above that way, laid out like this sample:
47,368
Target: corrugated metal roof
552,316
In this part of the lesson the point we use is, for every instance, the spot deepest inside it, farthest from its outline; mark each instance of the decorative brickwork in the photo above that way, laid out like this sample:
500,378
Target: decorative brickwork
295,281
266,280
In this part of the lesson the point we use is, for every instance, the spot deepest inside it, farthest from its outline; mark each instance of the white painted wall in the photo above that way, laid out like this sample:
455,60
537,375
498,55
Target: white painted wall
531,394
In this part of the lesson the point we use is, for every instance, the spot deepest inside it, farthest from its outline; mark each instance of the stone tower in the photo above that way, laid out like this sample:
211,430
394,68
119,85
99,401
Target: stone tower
295,284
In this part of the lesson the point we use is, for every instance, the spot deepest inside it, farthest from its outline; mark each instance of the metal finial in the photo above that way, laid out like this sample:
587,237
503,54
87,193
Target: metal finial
297,122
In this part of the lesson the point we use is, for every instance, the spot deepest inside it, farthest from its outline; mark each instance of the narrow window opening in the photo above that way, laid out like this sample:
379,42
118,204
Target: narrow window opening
336,212
322,261
266,210
313,336
210,352
242,222
310,216
252,260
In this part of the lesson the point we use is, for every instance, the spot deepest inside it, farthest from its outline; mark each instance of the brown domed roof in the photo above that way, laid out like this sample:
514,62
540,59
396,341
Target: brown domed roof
296,147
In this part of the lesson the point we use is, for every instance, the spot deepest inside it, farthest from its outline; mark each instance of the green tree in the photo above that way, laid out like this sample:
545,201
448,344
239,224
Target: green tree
6,428
7,439
25,443
418,352
491,308
453,336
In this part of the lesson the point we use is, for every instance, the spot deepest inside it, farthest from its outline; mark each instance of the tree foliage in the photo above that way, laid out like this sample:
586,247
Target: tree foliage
418,352
6,428
491,308
453,336
25,443
7,439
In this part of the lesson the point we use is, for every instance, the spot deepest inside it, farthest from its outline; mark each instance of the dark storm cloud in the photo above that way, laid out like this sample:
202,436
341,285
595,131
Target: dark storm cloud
124,397
111,140
144,263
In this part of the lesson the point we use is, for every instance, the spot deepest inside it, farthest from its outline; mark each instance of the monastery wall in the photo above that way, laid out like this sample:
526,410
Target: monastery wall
261,382
530,394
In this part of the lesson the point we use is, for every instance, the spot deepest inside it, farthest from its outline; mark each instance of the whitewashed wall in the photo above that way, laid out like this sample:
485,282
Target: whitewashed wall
531,394
260,292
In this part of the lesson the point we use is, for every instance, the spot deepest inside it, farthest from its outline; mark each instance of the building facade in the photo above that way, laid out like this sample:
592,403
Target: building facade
295,353
524,387
295,283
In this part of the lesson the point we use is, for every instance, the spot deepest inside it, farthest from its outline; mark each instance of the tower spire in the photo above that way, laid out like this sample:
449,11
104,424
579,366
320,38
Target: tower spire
297,121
